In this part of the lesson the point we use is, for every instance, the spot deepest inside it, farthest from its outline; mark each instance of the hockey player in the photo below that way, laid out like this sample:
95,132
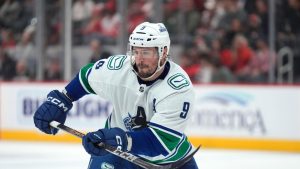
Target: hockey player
152,99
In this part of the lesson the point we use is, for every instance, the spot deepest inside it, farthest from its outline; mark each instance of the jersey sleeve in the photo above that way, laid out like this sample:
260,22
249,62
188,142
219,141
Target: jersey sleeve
94,78
163,140
79,86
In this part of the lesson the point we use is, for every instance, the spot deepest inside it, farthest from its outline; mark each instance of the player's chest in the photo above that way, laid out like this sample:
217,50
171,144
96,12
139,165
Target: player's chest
139,105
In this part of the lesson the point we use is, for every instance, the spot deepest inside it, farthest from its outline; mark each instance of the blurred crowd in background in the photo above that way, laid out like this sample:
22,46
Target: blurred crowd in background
225,41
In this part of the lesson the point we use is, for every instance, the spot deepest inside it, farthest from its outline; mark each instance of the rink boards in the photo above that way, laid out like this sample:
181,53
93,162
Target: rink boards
224,116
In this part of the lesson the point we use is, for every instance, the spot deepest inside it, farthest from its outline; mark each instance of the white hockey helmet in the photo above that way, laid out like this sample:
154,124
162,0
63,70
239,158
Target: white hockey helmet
151,35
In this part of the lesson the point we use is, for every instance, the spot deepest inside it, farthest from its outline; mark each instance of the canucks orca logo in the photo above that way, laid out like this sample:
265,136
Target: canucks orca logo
178,81
136,122
128,122
226,98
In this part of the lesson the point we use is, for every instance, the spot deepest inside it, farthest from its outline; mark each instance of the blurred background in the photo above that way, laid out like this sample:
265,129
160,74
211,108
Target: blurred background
215,41
243,57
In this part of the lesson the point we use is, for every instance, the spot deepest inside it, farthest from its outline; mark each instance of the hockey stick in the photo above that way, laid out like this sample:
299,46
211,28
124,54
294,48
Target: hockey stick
125,155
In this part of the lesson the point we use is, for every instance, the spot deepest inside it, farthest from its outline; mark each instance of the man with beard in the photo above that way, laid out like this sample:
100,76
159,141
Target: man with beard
152,100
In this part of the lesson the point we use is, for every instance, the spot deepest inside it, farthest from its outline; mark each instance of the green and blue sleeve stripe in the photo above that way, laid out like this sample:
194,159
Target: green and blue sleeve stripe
79,86
159,144
83,77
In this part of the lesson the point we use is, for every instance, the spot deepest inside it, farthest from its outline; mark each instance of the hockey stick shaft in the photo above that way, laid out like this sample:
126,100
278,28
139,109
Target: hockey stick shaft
127,156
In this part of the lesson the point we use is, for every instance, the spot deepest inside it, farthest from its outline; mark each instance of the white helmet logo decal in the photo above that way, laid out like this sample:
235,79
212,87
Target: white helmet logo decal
161,28
143,27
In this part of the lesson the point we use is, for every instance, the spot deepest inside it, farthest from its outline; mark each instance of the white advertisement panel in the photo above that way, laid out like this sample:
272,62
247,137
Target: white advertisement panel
271,112
19,102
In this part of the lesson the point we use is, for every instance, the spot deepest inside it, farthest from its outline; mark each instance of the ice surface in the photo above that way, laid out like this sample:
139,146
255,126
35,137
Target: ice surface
36,155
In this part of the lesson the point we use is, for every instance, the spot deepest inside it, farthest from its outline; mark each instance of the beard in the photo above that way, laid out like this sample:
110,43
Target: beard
144,71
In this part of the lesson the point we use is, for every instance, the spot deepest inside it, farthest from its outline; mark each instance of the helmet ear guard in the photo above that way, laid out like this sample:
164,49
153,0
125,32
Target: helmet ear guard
150,35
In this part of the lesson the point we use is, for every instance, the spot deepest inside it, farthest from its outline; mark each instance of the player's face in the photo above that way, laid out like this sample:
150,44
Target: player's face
146,60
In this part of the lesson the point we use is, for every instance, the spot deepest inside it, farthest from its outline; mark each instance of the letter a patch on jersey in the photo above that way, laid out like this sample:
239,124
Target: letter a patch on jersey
178,81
